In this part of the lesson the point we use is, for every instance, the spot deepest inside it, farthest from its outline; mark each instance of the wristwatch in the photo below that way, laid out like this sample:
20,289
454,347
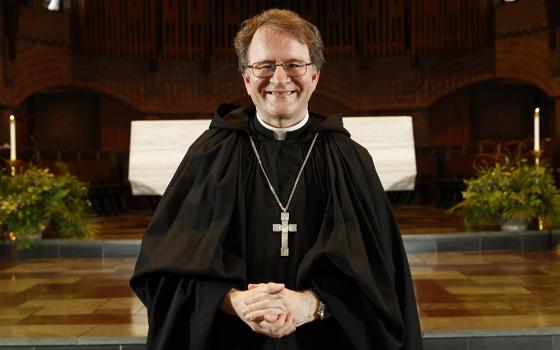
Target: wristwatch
323,313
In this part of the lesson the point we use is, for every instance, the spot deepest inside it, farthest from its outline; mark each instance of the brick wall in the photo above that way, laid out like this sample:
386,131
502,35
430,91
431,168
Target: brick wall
431,88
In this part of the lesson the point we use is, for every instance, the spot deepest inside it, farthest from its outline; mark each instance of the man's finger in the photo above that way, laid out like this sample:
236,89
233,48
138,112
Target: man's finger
290,318
278,329
260,297
289,325
270,287
260,314
275,287
271,316
260,287
265,304
286,329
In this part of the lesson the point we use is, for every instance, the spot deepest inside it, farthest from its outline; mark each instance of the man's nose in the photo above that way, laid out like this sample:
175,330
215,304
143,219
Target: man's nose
280,75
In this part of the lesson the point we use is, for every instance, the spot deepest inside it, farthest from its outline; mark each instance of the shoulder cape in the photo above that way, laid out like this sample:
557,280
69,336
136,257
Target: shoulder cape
188,257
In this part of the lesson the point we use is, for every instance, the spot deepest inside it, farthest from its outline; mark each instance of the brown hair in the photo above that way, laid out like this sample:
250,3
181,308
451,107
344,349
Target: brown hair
286,20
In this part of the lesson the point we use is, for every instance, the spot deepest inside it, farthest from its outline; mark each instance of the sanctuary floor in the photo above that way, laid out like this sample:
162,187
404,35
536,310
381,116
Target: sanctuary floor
456,291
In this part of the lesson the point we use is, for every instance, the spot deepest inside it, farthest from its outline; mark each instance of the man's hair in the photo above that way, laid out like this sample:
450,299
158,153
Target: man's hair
286,20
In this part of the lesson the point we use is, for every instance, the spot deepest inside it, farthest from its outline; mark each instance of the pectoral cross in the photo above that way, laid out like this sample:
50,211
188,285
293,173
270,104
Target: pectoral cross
284,227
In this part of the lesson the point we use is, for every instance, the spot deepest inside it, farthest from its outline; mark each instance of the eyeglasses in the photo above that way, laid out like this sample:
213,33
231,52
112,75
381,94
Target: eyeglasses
292,69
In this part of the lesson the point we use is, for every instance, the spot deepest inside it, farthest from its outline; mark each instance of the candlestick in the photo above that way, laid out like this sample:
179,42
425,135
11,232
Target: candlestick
540,221
537,155
536,131
13,156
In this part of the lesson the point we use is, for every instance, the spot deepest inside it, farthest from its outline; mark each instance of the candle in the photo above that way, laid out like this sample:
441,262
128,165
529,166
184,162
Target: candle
12,138
537,129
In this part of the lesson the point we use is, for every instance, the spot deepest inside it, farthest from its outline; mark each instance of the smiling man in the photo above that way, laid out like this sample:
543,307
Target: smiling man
275,232
277,79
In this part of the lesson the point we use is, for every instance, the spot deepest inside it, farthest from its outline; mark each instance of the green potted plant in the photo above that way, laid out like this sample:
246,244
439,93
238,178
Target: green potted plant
32,200
510,193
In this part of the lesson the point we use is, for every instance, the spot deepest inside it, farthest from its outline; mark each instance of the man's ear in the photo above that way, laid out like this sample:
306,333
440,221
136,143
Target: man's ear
315,78
315,75
247,81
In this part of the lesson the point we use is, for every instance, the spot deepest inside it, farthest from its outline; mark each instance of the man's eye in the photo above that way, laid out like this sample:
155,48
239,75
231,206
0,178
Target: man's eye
265,67
293,65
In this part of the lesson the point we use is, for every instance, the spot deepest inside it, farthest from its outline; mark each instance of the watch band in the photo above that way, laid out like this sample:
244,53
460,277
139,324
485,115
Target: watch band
322,312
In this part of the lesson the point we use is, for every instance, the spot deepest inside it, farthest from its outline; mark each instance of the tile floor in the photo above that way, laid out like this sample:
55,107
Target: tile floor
456,291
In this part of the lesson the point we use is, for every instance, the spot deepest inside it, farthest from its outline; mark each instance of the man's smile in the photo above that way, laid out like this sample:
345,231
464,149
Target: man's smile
280,93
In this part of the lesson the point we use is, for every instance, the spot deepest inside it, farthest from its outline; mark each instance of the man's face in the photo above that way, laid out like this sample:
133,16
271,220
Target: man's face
279,97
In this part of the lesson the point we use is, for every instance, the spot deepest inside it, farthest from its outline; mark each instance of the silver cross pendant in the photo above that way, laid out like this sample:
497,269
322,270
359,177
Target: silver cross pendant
284,227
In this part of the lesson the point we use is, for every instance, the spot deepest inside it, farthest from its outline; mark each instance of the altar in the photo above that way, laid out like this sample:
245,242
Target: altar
158,146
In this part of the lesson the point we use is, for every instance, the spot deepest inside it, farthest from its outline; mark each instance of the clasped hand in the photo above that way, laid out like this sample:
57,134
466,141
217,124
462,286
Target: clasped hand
273,310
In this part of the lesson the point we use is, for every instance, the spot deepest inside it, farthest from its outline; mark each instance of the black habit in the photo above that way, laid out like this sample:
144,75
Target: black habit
212,231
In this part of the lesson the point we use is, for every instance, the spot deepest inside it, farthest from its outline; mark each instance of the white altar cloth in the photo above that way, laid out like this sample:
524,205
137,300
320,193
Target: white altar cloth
158,146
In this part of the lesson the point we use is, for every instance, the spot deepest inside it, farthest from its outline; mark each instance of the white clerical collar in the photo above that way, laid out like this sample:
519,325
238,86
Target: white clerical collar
280,133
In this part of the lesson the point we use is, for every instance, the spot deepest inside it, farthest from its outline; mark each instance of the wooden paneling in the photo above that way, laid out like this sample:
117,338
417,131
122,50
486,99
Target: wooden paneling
196,30
523,16
118,28
337,24
227,19
384,27
440,26
182,29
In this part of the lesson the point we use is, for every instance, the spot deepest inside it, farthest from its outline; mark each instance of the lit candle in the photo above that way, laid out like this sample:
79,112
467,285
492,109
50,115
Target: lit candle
12,138
537,129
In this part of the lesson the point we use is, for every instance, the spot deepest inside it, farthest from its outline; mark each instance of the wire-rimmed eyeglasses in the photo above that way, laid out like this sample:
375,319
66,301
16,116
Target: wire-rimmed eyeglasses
292,69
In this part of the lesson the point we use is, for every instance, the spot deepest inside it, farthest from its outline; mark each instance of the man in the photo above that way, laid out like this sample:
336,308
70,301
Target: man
275,232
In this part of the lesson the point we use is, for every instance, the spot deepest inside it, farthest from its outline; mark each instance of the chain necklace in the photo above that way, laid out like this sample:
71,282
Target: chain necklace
284,227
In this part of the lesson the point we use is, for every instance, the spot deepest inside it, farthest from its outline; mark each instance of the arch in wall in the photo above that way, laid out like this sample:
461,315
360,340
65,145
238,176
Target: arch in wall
500,109
70,117
527,58
442,92
101,89
44,68
513,81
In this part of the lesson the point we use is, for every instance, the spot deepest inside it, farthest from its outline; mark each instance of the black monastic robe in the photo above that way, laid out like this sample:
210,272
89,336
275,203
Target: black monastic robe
212,231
